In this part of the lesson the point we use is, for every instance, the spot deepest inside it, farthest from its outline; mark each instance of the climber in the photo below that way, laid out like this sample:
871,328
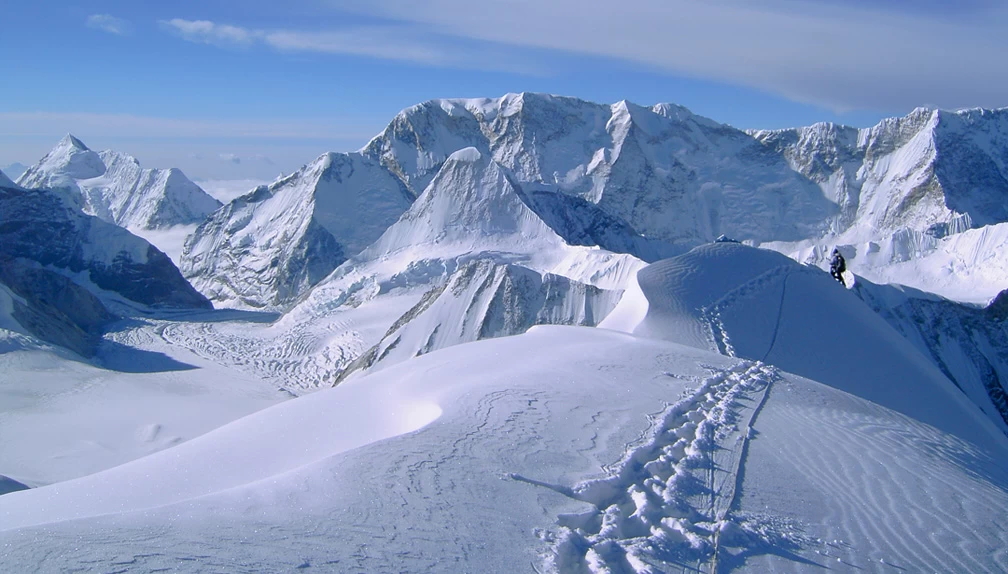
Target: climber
837,267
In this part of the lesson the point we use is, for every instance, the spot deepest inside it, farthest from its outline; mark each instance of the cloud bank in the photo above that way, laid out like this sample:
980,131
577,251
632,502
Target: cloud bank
844,54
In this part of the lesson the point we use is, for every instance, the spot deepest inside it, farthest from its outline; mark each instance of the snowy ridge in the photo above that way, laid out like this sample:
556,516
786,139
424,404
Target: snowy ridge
40,226
481,300
669,174
113,187
759,305
268,247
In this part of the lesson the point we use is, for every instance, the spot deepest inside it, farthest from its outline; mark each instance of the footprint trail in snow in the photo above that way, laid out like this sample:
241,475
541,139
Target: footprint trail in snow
664,506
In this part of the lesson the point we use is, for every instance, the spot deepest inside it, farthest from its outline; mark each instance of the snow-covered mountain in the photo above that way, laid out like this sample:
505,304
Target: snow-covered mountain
668,173
932,171
484,299
113,187
737,410
966,342
907,189
45,228
268,247
14,170
6,181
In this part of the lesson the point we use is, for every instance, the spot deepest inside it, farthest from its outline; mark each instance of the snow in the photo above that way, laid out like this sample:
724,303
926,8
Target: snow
63,418
113,187
736,409
758,304
170,240
596,448
226,190
265,249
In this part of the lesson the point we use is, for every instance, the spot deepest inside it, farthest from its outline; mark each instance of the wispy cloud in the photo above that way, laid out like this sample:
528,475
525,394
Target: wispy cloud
839,53
110,24
407,43
207,32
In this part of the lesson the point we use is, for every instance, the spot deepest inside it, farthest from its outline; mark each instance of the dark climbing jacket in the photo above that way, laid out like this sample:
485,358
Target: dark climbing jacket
837,267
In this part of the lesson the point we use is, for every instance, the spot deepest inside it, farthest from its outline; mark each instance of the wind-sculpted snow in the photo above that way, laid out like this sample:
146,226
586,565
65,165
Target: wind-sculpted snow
875,490
667,502
268,247
39,226
596,451
757,304
113,187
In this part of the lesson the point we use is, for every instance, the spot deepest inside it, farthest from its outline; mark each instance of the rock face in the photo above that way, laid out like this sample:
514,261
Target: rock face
53,308
932,171
664,171
967,343
113,187
483,299
266,248
39,226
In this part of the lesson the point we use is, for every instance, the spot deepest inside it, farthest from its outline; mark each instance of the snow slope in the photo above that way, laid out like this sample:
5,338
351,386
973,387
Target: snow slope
113,187
598,451
62,418
758,304
45,228
268,247
966,343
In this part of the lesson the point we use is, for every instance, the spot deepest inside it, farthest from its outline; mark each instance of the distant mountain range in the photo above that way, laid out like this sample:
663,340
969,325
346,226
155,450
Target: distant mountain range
112,186
14,170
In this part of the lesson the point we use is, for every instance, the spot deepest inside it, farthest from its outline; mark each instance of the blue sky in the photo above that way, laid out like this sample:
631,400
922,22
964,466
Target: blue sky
251,89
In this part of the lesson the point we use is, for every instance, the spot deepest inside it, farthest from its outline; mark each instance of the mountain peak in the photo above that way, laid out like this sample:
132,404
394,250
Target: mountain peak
6,181
466,155
70,141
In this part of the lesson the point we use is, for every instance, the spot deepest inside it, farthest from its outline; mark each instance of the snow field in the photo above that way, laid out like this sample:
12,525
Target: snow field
666,503
875,490
437,498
